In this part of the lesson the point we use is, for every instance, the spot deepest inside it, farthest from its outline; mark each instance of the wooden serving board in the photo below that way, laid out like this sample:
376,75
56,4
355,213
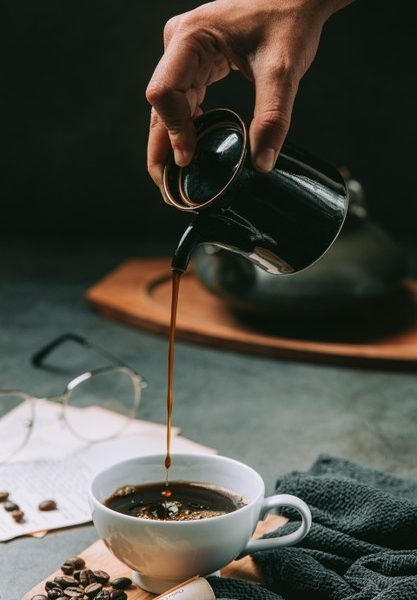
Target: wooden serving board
138,292
97,556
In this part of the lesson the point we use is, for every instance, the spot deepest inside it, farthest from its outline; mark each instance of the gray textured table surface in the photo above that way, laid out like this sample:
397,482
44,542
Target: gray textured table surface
271,414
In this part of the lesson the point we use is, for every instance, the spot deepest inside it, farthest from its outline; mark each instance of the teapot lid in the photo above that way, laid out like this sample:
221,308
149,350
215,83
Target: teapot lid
221,149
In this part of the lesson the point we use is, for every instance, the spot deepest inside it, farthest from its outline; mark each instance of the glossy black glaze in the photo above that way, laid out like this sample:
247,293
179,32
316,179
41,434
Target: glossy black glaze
282,221
361,267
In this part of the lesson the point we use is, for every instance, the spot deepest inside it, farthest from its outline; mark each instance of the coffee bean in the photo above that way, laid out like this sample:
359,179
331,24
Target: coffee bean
74,592
51,585
118,595
101,577
65,581
18,515
39,597
121,583
87,577
76,561
47,505
9,506
103,595
93,589
67,569
76,575
55,593
4,496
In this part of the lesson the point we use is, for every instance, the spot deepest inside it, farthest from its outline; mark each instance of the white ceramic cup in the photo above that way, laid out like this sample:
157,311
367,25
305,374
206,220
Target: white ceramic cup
163,554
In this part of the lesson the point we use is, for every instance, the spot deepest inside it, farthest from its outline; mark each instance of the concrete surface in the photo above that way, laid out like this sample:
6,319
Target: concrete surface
272,414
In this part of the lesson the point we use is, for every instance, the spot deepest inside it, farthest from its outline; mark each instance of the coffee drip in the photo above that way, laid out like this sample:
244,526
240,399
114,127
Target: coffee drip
176,278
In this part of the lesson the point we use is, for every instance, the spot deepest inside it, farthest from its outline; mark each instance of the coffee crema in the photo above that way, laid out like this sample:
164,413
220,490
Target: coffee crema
188,501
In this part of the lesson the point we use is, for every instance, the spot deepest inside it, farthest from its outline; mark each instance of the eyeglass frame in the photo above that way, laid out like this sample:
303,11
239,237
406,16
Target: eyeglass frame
37,360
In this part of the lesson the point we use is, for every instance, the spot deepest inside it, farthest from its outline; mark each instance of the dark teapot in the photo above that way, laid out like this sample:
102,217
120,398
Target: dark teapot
361,269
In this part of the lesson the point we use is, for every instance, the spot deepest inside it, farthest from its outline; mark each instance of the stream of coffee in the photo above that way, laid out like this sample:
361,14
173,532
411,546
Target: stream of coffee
176,278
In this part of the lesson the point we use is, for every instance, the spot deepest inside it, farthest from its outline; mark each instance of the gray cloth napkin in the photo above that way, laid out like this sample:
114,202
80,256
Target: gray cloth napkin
362,544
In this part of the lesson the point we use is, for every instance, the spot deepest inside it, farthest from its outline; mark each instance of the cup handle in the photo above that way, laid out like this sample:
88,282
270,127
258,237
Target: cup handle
285,540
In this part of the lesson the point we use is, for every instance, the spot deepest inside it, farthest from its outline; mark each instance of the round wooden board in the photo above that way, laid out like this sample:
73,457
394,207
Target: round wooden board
138,292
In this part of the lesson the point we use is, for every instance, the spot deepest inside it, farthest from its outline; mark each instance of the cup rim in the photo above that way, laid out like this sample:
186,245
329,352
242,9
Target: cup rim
189,523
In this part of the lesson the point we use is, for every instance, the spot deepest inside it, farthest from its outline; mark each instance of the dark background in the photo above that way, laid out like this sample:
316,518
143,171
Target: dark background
74,118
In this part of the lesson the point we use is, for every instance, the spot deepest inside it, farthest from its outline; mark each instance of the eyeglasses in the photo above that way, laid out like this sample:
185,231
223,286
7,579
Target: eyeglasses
117,388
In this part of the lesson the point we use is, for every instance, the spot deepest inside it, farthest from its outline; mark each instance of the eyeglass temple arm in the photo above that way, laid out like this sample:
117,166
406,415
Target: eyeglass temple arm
38,358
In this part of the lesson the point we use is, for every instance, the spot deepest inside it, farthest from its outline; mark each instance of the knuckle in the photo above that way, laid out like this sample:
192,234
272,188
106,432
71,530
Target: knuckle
176,129
170,26
155,121
155,92
190,20
275,118
282,71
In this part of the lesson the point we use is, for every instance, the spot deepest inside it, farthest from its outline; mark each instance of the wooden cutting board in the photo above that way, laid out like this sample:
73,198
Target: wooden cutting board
97,556
138,292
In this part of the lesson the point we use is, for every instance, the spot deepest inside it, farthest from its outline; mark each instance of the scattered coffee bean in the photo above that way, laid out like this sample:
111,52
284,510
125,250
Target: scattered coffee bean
9,506
55,593
51,585
121,583
87,577
4,496
18,515
67,569
65,581
101,577
76,562
93,589
78,583
118,595
47,505
74,592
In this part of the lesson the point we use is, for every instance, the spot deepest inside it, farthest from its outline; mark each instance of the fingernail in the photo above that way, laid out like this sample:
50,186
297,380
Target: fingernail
180,157
265,160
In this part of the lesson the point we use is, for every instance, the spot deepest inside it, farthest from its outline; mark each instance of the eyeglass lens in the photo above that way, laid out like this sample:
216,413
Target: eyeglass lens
16,415
113,390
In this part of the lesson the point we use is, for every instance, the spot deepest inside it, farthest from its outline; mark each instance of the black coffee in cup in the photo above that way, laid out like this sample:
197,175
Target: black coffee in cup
182,501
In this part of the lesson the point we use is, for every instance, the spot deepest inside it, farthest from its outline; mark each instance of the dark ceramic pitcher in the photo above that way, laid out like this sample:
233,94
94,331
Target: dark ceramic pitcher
282,221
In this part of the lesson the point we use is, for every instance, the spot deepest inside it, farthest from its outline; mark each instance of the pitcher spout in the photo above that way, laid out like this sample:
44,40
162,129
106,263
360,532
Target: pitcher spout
188,242
208,229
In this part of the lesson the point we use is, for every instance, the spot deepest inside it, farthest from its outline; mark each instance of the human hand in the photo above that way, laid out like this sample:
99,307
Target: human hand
272,43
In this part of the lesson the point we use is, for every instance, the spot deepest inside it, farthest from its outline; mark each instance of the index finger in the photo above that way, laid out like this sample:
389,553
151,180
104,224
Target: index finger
158,148
173,77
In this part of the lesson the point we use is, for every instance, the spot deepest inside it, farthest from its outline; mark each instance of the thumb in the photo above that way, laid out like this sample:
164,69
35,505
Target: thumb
276,89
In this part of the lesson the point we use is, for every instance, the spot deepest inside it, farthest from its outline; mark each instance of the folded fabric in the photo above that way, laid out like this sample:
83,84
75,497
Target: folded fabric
362,544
